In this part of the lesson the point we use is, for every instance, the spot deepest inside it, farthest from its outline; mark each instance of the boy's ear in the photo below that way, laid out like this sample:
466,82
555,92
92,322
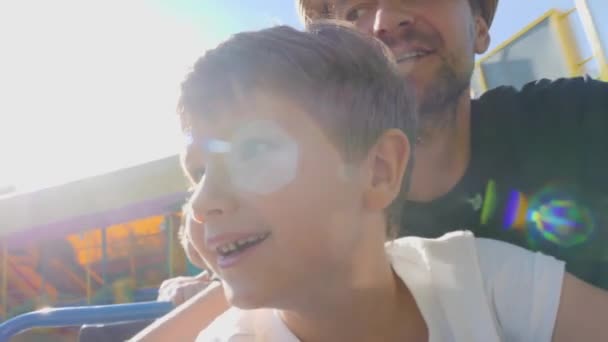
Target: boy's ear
387,162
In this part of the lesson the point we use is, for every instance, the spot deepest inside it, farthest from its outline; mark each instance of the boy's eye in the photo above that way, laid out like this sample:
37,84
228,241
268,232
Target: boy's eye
254,148
356,13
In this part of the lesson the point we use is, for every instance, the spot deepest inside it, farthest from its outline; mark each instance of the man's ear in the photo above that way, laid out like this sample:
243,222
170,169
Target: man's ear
482,35
387,162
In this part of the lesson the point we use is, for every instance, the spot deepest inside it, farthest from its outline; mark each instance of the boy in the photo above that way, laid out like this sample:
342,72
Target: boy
301,142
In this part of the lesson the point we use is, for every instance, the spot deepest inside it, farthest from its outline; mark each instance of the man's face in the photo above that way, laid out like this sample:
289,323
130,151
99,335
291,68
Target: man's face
434,42
278,211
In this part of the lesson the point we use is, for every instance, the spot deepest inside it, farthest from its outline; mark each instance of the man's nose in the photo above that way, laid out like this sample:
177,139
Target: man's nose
391,22
213,196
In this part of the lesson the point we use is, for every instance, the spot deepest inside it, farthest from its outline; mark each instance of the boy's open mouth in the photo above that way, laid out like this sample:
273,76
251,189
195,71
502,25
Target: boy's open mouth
239,246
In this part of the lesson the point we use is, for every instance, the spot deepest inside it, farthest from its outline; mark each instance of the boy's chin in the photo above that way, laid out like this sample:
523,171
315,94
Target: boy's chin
246,299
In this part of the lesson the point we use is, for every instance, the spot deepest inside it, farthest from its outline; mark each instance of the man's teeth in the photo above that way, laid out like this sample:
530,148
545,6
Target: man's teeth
233,246
412,55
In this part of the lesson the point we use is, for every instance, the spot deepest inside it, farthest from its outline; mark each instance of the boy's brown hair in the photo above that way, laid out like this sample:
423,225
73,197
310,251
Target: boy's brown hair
345,80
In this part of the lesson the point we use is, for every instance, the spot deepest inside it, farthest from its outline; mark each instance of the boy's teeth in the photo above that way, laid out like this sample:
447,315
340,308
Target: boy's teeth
228,248
233,246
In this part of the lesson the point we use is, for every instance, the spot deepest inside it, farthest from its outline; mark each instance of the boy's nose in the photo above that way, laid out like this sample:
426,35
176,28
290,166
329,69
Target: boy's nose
213,197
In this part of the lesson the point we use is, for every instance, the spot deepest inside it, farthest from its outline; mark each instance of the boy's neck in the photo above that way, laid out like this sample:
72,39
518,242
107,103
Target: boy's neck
443,153
376,306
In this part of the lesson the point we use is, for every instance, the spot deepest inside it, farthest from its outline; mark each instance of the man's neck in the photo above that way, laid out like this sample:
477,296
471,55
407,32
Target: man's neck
375,306
443,153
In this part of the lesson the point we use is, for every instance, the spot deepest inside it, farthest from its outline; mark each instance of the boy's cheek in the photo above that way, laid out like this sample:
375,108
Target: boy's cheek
210,260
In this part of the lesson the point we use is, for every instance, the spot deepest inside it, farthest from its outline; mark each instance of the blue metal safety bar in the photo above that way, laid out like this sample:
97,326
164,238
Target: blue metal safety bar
77,316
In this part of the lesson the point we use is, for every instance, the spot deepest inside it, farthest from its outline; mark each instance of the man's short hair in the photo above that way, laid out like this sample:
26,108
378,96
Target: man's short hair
345,80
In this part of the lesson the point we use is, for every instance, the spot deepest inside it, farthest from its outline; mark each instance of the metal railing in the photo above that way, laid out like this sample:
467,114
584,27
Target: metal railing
77,316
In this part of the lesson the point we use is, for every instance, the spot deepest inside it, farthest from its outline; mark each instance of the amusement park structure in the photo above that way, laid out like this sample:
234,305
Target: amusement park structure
557,44
112,238
105,239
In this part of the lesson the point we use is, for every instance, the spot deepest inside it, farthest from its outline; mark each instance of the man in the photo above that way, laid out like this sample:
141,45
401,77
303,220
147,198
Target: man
522,166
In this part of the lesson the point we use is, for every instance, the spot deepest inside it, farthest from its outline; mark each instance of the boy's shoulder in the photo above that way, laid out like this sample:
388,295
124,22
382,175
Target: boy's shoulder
233,325
421,256
237,325
459,248
405,246
451,241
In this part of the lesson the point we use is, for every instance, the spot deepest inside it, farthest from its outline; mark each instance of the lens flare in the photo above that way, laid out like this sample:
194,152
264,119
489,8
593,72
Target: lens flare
188,140
516,211
559,218
264,158
550,215
217,146
490,204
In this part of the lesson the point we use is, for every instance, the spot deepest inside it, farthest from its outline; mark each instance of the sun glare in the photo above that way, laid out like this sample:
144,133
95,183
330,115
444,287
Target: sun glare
88,87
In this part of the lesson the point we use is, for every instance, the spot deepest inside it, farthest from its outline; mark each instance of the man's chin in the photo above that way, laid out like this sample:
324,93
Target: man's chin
436,93
419,81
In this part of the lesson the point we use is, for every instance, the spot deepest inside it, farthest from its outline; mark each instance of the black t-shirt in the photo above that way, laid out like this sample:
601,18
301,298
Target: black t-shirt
538,175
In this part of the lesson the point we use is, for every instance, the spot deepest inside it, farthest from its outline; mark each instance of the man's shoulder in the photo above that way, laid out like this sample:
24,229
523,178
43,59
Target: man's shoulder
548,91
508,121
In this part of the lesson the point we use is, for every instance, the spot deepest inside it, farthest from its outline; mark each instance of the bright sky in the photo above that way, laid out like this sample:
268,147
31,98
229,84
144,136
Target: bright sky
88,86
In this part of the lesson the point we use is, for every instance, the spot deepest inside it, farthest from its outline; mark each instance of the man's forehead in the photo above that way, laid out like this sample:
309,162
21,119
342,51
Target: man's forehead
312,9
321,7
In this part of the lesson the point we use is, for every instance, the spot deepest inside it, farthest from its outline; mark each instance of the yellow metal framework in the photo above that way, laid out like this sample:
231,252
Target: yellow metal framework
562,30
594,37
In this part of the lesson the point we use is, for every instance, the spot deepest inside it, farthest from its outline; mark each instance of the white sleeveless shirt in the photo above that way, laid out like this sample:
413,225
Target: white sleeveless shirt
468,290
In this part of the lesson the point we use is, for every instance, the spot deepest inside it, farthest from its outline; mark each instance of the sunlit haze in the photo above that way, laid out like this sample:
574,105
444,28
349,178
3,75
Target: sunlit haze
88,86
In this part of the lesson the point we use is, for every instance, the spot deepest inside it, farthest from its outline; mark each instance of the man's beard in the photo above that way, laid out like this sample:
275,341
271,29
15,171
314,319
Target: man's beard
439,99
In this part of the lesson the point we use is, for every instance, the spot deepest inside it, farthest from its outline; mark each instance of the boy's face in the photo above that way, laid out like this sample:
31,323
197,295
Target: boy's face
434,41
277,201
191,252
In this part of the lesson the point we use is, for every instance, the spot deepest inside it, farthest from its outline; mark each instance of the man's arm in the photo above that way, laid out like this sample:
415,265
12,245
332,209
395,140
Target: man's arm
189,319
179,289
582,313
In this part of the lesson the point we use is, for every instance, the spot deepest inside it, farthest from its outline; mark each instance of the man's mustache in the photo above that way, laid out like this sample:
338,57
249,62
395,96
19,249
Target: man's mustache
412,37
